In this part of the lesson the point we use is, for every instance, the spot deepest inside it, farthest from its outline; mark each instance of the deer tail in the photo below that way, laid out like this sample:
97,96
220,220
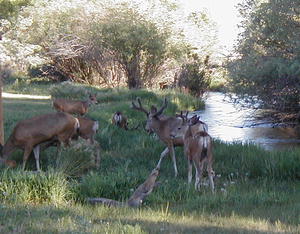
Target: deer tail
204,148
77,125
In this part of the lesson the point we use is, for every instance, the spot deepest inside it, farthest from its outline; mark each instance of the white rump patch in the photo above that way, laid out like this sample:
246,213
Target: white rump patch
205,141
96,126
77,125
118,118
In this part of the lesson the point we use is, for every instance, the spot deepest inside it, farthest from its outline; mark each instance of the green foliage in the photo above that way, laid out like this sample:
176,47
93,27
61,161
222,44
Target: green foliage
29,187
249,161
71,90
195,76
10,8
268,64
74,167
134,44
139,45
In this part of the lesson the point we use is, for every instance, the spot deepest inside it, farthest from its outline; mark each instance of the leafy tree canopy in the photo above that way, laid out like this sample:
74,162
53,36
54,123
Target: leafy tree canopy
267,64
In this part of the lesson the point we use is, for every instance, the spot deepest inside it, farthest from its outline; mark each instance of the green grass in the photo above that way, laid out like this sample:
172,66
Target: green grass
256,191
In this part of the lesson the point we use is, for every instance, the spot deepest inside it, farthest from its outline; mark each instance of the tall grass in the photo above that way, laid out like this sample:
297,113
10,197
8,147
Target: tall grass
256,190
28,187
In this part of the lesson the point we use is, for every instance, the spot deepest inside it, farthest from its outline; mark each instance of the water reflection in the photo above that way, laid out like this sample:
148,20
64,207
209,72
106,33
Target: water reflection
229,122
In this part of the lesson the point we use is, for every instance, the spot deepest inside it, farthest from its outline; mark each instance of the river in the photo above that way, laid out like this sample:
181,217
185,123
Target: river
230,122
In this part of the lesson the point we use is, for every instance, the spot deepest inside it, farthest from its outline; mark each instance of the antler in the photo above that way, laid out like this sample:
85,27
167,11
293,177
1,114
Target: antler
140,107
184,117
162,108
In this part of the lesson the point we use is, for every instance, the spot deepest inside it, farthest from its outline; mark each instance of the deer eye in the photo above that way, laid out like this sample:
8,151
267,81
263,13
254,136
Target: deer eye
179,128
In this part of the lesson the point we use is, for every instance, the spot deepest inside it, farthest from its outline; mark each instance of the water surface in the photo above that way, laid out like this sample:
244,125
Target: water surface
230,122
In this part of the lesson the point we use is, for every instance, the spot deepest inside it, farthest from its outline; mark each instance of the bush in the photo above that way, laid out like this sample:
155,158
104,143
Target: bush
195,76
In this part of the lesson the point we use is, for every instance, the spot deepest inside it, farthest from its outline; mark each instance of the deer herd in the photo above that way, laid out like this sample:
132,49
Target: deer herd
69,123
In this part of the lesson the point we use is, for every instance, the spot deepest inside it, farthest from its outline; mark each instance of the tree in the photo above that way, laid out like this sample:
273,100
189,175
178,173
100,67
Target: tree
138,44
135,43
268,54
195,75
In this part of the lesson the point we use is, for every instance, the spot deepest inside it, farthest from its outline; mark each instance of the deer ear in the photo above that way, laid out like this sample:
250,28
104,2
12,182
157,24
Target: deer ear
193,120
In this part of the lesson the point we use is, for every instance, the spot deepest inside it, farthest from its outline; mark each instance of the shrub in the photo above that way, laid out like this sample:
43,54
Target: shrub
194,76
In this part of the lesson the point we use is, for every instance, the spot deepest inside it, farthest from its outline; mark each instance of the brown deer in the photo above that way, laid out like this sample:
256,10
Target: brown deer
74,107
162,126
30,133
120,120
197,148
88,129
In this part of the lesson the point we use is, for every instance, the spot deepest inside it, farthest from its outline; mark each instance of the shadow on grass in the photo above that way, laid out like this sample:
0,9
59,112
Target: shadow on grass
172,227
48,219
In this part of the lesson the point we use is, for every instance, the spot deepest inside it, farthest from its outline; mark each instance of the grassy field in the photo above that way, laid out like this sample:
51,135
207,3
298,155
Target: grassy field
256,191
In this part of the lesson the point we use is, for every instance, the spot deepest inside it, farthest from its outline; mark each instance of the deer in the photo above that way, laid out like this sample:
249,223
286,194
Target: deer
197,148
120,120
162,126
87,131
74,107
29,134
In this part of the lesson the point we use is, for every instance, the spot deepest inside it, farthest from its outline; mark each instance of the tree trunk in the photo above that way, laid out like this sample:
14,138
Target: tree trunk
134,74
1,115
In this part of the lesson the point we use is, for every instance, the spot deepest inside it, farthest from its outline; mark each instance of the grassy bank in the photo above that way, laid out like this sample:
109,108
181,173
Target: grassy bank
256,191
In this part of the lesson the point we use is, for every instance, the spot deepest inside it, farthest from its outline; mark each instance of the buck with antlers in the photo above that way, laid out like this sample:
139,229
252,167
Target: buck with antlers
30,133
74,107
162,126
197,148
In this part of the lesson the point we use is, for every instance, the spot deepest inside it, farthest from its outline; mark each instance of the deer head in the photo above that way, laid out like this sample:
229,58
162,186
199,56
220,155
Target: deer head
152,115
92,99
194,123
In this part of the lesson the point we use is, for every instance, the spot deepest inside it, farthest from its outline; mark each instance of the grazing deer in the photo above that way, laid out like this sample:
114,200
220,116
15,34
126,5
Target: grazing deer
120,120
88,129
162,126
30,133
74,107
197,148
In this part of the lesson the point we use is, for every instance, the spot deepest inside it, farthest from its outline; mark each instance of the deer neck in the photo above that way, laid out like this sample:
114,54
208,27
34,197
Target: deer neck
188,133
87,103
156,125
162,129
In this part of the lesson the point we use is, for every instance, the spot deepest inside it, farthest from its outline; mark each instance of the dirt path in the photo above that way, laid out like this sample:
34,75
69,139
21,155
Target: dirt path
28,96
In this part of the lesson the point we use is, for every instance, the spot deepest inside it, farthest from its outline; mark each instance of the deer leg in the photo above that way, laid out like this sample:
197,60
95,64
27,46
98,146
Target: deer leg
97,154
162,155
199,167
172,151
190,171
26,154
58,148
36,151
211,173
97,159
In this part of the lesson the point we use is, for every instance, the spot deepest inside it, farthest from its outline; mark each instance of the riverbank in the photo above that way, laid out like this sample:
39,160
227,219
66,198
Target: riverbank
256,191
